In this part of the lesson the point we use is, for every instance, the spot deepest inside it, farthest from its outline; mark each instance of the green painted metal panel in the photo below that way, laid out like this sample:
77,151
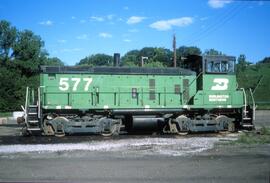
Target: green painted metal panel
219,82
99,91
96,91
219,91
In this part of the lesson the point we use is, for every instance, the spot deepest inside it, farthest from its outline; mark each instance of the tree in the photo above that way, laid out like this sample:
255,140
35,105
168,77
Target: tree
97,60
242,63
131,58
27,52
21,54
213,52
54,61
164,56
161,55
184,51
154,64
28,46
7,39
265,60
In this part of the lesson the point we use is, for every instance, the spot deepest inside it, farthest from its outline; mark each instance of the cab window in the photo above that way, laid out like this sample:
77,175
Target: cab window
219,66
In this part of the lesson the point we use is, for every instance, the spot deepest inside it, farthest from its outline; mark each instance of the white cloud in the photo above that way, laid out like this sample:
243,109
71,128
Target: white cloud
98,19
82,37
104,35
164,25
61,41
46,23
127,40
125,8
218,3
70,50
73,17
135,19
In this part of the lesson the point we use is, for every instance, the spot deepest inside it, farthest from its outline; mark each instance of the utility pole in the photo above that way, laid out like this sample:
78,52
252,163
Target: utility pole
174,50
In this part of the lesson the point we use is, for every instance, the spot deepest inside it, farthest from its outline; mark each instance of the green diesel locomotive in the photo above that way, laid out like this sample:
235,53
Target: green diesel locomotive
201,96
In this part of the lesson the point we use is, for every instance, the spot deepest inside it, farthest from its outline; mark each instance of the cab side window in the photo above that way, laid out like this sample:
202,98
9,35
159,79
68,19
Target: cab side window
219,66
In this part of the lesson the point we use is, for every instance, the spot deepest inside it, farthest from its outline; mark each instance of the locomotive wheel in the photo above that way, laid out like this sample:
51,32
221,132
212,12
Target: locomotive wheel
113,131
48,129
182,133
59,131
174,128
59,134
226,123
182,122
231,127
58,128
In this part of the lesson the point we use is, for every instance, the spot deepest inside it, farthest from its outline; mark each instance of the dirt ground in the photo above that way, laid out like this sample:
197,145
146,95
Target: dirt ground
152,158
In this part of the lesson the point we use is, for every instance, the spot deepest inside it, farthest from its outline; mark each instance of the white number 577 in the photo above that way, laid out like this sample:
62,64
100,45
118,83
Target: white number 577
64,83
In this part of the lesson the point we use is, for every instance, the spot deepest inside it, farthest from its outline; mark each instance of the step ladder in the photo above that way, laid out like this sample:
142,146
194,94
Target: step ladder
32,113
248,112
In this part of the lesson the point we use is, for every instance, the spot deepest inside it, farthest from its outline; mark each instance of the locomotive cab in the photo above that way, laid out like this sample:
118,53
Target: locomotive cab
217,89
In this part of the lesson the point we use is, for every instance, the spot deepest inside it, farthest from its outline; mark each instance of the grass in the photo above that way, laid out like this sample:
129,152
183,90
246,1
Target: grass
5,114
253,74
261,136
263,107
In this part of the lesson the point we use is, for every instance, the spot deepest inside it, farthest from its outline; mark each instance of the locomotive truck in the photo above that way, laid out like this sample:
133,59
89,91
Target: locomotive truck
200,97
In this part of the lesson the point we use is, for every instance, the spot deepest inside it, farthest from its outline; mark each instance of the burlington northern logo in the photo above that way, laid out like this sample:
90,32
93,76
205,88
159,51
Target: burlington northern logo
220,84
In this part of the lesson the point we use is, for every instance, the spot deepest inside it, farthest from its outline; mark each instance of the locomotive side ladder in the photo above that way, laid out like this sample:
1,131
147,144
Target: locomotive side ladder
248,113
32,113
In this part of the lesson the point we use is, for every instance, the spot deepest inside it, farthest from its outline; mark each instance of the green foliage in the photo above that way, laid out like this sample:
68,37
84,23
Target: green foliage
7,39
184,51
54,61
130,64
257,78
242,63
12,84
97,60
266,60
154,64
213,52
162,56
5,114
261,136
21,54
131,58
27,46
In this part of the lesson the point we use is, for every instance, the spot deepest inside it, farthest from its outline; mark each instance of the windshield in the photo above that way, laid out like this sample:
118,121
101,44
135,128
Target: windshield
220,66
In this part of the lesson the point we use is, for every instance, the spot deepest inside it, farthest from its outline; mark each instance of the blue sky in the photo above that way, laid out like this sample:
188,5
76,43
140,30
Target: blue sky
74,29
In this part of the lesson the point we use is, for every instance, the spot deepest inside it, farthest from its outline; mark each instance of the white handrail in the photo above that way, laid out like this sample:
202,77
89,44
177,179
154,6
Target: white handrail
253,104
245,102
38,103
26,108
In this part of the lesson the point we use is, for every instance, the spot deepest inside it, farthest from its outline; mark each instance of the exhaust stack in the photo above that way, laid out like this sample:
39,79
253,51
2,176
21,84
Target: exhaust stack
116,59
